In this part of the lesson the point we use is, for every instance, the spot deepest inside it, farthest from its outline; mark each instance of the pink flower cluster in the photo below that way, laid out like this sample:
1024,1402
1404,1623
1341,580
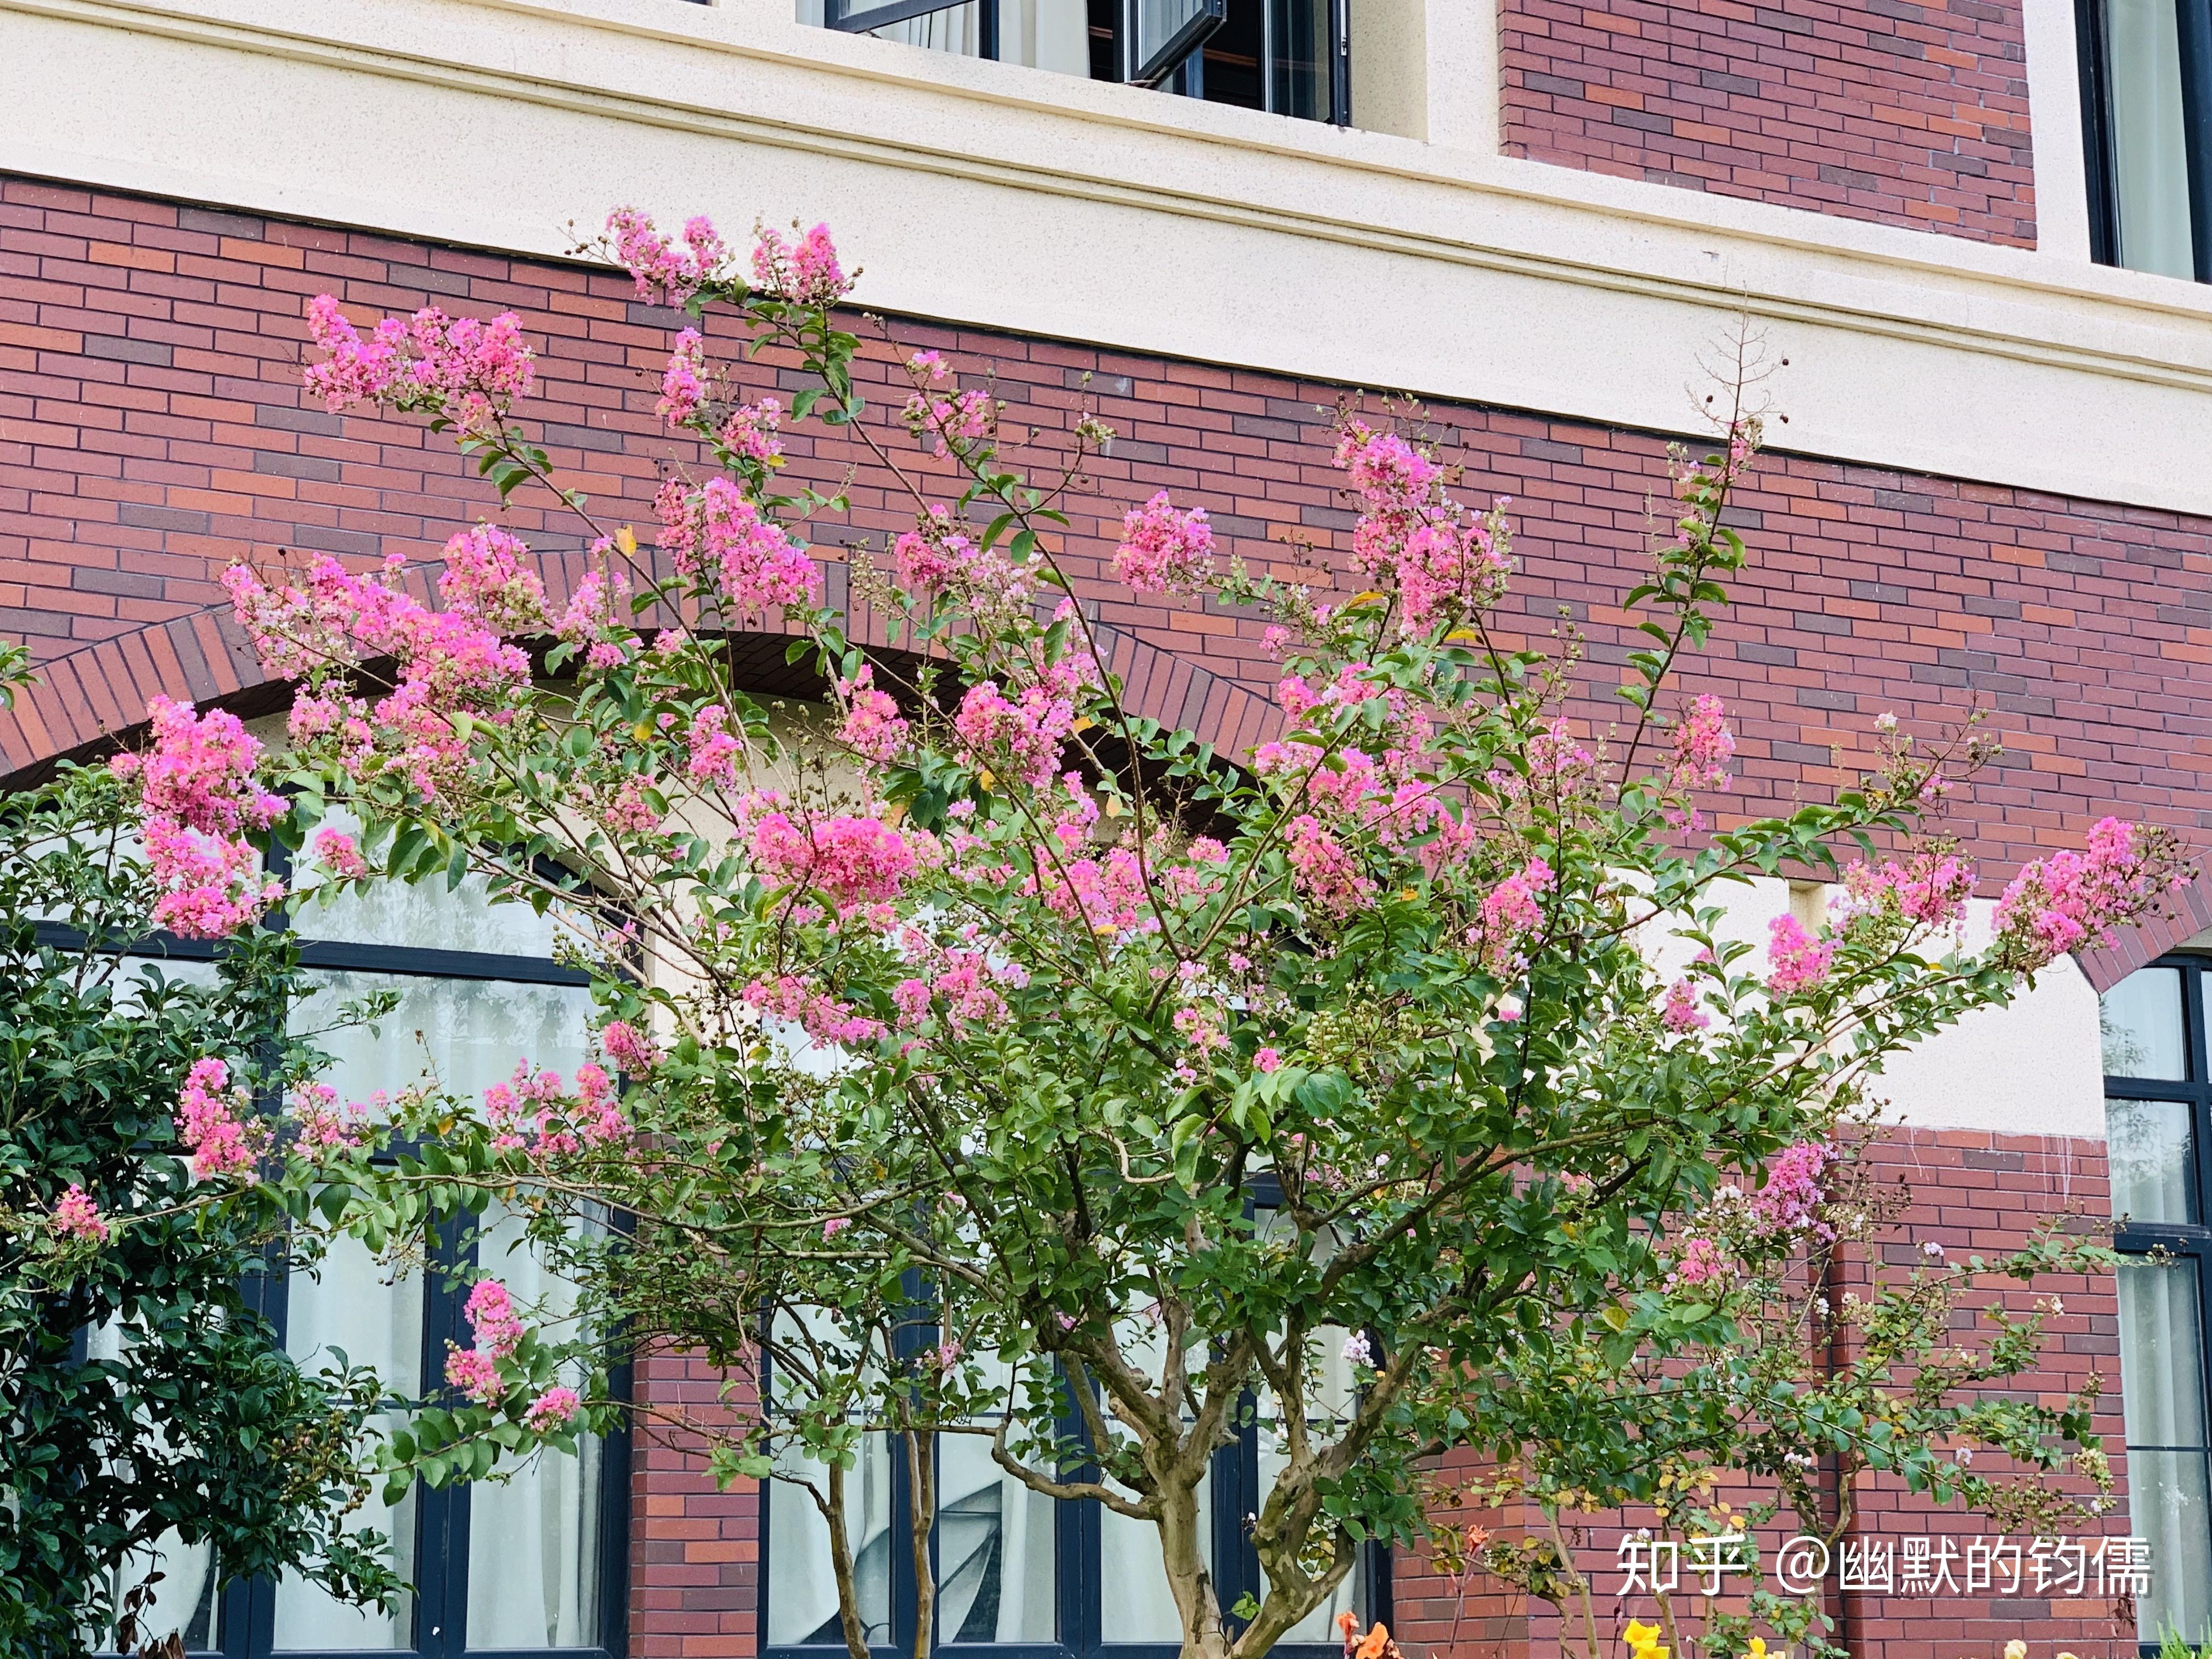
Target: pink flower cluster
76,1216
964,981
936,556
752,432
1680,1011
873,727
211,1125
551,1410
2071,899
323,1125
1789,1202
468,371
1324,870
805,272
942,415
656,265
197,797
822,1016
684,384
628,1047
1448,563
1509,913
716,533
1021,739
1164,550
851,860
1703,747
534,1112
489,577
1930,888
498,1331
340,854
715,745
1796,961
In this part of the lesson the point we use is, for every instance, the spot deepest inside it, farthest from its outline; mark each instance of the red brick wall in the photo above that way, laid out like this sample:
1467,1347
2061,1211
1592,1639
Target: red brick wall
152,428
1904,113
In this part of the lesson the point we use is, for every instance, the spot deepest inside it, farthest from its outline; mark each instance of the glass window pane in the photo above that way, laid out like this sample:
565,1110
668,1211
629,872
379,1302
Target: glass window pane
533,1537
2162,1385
2146,1149
1335,1394
802,1592
2150,170
1155,26
994,1549
352,1303
2141,1020
468,1033
1134,1603
422,913
1302,60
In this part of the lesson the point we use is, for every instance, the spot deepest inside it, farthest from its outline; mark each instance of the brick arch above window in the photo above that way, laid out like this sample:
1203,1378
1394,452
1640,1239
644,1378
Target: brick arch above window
89,700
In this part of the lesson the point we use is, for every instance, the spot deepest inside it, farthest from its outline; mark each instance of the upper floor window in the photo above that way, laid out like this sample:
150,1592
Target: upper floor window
2145,97
2158,1119
1288,57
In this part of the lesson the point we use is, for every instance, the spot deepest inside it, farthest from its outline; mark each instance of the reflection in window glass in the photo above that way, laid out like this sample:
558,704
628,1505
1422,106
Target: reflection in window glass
2150,166
2162,1385
423,913
350,1303
1048,34
1135,1604
2146,1149
467,1033
2140,1021
994,1549
1301,66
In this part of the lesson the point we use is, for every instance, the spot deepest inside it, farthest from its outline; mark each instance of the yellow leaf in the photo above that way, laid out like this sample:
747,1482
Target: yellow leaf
626,539
1112,806
985,779
1083,724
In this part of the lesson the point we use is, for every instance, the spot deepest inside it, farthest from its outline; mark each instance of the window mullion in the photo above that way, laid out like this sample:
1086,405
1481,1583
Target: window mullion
2193,34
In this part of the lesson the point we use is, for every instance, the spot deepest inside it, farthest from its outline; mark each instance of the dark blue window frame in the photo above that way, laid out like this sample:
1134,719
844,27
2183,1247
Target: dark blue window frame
245,1615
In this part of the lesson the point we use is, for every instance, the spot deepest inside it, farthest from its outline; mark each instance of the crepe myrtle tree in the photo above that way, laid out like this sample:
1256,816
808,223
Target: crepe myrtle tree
144,1403
988,1059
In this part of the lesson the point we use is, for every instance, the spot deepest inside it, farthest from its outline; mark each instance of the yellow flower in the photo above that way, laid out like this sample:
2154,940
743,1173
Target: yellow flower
1640,1637
1758,1649
2015,1649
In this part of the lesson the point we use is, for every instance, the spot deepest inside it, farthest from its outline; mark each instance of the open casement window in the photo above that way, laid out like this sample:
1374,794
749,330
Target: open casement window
1287,57
528,1568
2158,1116
1021,1574
2147,116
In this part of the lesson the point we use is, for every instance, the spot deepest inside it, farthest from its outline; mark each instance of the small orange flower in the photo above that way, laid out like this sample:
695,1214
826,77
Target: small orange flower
1378,1640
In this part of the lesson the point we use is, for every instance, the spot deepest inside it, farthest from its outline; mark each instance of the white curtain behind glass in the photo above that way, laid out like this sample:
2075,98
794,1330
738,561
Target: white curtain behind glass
1335,1393
353,1302
2162,1387
802,1601
533,1537
1134,1603
184,1600
2149,167
1049,34
994,1545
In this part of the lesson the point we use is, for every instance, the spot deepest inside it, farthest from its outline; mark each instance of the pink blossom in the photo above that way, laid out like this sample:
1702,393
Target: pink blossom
475,1373
200,771
322,1125
76,1216
715,744
961,421
491,1315
1323,870
717,533
1022,738
656,265
209,1124
211,885
628,1047
551,1409
1681,1012
833,1225
873,728
467,371
1790,1201
751,433
1509,913
2069,899
488,577
1164,550
1796,961
1700,1263
1703,747
823,1018
911,997
337,852
683,383
852,860
805,273
1929,889
1266,1059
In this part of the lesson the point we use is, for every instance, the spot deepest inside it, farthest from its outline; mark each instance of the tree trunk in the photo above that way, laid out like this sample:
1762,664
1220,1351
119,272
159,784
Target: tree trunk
1183,1550
922,1465
840,1567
